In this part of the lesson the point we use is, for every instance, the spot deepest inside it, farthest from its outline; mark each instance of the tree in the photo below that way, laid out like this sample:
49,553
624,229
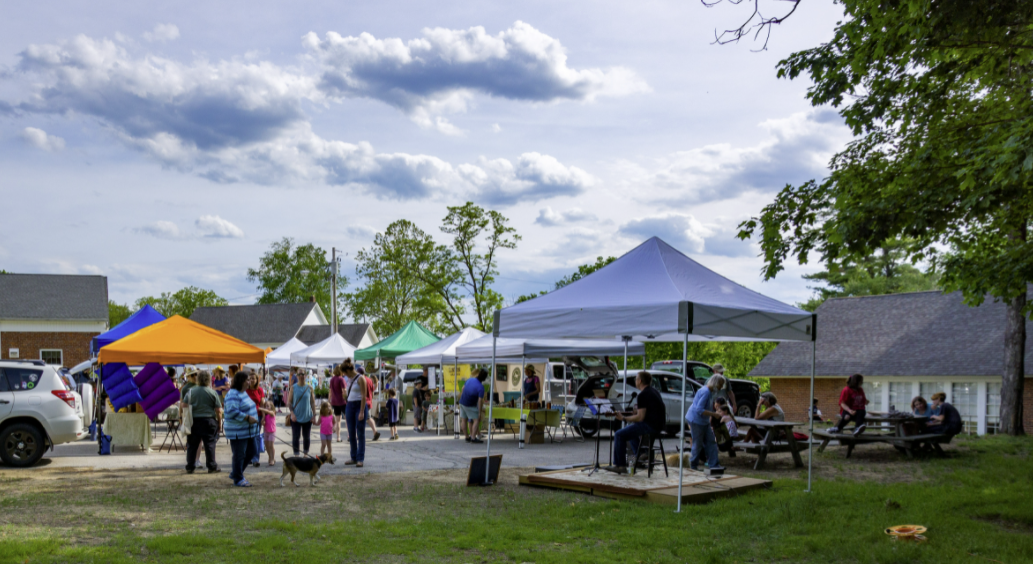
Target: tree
392,294
117,313
885,272
937,95
183,302
292,274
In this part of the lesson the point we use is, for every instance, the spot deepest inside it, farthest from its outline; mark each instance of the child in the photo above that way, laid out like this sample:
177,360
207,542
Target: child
729,432
268,412
815,412
852,406
326,428
392,413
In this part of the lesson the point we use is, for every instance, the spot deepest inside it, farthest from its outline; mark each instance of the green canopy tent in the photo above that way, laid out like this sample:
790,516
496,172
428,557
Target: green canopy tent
407,339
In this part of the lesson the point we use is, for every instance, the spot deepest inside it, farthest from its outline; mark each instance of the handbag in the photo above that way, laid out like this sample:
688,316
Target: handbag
188,414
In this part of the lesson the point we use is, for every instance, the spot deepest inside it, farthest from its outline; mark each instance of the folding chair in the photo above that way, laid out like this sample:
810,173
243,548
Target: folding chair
574,424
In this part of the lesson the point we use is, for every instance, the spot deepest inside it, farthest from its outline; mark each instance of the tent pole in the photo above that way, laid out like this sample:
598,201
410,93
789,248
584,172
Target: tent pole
624,390
491,403
523,419
457,419
681,449
810,415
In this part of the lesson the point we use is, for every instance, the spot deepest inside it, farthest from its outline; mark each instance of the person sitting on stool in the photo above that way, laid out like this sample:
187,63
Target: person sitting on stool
649,419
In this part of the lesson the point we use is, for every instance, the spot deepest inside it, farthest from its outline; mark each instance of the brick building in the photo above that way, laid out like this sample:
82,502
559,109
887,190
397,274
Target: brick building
905,345
51,317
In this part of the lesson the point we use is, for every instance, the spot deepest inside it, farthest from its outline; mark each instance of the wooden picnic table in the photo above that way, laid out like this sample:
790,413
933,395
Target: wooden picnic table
769,444
891,430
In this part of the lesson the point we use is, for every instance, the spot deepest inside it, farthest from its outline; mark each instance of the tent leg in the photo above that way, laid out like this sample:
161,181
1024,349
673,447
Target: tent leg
456,419
491,403
810,415
523,419
681,449
624,390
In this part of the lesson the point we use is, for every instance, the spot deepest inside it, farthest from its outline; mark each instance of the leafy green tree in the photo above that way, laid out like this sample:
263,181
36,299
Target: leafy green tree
290,273
937,95
117,313
182,302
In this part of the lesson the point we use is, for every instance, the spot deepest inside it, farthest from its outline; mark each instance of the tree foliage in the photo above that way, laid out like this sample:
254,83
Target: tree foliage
290,273
937,94
117,313
182,302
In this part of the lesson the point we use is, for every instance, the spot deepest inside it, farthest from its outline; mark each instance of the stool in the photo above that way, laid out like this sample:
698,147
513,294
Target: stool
652,450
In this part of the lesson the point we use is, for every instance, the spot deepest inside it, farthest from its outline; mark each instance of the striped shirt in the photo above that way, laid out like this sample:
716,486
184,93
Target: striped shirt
237,408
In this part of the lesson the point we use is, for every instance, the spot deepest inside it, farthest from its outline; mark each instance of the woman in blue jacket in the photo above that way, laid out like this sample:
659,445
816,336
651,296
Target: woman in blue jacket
698,416
240,424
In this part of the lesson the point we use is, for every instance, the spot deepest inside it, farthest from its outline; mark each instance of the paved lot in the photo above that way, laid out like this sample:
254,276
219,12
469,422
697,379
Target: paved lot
412,452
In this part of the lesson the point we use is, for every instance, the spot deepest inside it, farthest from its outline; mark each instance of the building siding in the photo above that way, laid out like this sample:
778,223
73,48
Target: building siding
74,346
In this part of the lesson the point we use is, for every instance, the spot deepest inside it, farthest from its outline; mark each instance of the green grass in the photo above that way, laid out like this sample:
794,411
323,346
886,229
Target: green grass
978,505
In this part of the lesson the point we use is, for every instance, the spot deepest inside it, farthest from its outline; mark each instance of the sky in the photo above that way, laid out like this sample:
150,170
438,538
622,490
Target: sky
166,145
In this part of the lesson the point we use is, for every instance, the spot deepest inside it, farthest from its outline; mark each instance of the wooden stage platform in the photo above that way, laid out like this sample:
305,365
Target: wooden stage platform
696,488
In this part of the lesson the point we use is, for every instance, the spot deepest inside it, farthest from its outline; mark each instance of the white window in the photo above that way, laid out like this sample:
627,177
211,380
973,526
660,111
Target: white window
964,397
993,407
900,396
927,389
873,391
51,356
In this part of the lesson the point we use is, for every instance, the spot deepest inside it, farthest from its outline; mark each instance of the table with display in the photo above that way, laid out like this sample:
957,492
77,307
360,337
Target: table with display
549,419
128,429
903,431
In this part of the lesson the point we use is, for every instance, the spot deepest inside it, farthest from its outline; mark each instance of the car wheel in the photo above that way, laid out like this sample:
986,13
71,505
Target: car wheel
744,410
21,445
587,430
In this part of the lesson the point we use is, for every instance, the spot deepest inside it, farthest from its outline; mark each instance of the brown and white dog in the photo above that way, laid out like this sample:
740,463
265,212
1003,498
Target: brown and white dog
306,464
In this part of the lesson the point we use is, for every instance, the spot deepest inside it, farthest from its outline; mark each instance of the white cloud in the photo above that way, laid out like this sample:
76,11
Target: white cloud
361,231
496,128
41,140
534,177
162,33
683,231
161,229
549,218
442,70
217,227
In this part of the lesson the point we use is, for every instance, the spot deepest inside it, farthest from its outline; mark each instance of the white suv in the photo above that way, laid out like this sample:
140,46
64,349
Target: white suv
37,411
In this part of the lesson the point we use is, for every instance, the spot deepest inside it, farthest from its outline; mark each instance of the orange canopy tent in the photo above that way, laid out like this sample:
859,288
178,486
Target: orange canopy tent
178,340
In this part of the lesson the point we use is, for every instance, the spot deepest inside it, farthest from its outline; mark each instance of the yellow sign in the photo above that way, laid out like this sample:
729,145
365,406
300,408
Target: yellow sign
449,380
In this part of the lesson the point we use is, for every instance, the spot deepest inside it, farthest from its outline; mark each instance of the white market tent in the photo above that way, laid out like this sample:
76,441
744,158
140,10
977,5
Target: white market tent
332,350
656,293
281,357
538,350
435,353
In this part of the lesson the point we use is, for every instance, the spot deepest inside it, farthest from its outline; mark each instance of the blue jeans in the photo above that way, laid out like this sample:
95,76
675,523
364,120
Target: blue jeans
703,438
356,429
628,436
258,442
243,451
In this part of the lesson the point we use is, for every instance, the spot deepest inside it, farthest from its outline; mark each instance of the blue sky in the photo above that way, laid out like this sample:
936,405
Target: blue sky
165,145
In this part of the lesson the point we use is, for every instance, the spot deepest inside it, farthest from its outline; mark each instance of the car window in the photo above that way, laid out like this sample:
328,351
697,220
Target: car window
22,379
3,382
668,366
701,373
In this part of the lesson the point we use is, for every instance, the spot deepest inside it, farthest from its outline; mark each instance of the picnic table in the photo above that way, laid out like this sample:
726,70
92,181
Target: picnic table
772,431
889,429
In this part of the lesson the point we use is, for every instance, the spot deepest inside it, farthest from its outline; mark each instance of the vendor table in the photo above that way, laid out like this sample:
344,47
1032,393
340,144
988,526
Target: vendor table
548,418
128,429
772,431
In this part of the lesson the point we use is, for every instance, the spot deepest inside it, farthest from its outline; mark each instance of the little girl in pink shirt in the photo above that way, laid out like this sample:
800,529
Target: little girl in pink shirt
326,428
269,430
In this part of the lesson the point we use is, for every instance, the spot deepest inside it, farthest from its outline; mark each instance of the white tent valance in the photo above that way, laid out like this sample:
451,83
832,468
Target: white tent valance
435,353
537,350
332,350
282,355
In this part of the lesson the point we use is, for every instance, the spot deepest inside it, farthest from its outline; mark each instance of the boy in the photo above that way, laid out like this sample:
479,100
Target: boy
392,413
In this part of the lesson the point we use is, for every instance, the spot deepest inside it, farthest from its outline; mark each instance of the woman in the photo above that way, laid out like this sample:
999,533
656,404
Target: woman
767,408
241,427
206,409
356,413
257,395
337,401
532,385
301,402
852,406
920,407
698,416
219,381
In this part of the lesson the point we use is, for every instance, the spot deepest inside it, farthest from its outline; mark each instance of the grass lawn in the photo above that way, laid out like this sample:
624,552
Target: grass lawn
978,505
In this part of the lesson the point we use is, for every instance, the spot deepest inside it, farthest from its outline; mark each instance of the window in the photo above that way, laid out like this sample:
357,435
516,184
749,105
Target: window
873,391
701,373
993,408
51,356
964,398
900,396
927,389
22,379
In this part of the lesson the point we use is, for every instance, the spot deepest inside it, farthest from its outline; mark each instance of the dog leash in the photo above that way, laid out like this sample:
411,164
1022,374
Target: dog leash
292,447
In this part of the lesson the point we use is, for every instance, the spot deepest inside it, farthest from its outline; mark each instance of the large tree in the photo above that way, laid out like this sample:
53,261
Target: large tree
117,313
937,93
290,273
182,302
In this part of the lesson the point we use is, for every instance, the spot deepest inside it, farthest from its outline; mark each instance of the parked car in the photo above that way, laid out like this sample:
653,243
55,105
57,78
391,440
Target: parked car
37,411
747,393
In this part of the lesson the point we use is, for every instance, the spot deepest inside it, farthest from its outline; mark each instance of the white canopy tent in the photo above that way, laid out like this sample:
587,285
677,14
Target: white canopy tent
656,293
331,350
435,353
538,350
281,357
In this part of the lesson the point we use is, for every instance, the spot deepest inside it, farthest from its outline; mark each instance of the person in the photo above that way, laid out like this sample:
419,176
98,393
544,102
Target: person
337,401
649,419
948,422
356,413
277,392
920,407
371,386
698,417
219,381
532,384
730,431
392,413
418,396
471,404
301,403
725,392
241,427
257,395
852,406
815,412
326,428
206,408
767,408
268,413
190,376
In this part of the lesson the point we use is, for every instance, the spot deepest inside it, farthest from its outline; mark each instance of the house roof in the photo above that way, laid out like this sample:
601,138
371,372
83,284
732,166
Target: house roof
53,296
353,332
258,323
915,334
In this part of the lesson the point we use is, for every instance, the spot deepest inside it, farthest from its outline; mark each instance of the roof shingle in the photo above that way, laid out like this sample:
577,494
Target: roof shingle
353,332
258,323
53,296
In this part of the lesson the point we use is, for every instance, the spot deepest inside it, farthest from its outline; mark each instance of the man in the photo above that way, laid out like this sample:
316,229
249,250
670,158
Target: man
649,419
206,408
471,403
419,397
948,421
